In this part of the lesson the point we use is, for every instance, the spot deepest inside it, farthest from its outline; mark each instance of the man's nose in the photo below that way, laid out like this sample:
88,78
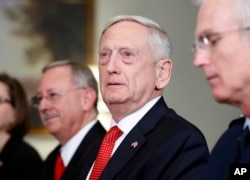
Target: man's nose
201,58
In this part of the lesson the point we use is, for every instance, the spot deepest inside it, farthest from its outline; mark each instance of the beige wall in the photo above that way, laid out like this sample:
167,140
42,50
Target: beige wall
188,92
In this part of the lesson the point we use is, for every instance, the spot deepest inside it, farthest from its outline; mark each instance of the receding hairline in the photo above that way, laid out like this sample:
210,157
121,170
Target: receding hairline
130,18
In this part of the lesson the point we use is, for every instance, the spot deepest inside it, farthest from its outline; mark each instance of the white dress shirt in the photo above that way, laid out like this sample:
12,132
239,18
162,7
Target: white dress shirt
127,123
68,150
247,123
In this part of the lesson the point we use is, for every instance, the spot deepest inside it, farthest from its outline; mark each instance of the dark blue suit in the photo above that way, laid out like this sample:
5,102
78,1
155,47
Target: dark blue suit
83,158
226,151
162,145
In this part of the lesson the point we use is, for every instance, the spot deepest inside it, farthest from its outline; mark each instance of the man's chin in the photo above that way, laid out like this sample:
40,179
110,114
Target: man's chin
52,130
114,100
220,97
51,127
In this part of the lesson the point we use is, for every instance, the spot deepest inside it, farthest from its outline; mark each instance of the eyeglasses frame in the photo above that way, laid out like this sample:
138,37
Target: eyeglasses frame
36,100
204,42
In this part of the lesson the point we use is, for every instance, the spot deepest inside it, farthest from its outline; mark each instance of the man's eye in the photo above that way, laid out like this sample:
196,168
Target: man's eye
214,39
38,99
53,95
103,55
126,54
209,39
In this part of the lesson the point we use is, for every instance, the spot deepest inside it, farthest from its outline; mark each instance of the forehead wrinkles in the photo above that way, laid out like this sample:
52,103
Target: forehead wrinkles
57,77
216,15
125,33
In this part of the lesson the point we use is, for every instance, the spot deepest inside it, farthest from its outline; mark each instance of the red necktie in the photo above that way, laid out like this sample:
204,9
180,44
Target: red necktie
105,152
59,167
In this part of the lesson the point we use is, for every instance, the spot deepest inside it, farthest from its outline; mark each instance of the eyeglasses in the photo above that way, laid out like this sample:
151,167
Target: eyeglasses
208,40
4,100
52,97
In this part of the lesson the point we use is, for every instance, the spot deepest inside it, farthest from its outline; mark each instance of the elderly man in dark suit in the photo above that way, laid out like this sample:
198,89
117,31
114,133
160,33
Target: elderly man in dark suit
67,101
154,141
222,50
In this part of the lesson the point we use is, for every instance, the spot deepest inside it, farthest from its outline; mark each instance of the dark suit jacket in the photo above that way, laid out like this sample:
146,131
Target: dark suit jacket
82,159
168,148
226,151
19,160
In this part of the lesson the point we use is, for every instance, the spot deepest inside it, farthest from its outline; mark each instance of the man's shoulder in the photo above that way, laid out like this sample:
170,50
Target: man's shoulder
237,122
233,132
97,128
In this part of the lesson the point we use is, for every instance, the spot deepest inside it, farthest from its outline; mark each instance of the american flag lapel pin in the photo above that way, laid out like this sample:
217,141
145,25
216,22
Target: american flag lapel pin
134,144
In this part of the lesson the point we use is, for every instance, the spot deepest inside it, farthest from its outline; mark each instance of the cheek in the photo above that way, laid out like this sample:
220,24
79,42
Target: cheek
11,115
145,80
7,118
71,106
102,77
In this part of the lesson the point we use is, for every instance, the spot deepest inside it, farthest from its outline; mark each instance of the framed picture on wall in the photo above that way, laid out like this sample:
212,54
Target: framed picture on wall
35,32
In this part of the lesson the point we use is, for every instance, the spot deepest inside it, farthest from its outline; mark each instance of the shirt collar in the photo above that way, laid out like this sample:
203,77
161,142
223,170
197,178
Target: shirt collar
127,123
68,150
247,123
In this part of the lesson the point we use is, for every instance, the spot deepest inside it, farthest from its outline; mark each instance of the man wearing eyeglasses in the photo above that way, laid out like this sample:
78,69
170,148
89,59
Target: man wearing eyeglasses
67,102
222,50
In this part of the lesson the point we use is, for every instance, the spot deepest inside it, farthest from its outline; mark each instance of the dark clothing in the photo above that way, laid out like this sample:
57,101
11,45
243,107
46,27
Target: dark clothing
226,151
83,158
19,161
162,145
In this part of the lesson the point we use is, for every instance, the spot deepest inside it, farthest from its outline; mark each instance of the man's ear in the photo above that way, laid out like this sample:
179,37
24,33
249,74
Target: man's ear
163,73
88,96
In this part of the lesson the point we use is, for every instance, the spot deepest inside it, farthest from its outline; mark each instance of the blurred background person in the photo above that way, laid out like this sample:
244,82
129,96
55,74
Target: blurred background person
222,50
18,160
66,98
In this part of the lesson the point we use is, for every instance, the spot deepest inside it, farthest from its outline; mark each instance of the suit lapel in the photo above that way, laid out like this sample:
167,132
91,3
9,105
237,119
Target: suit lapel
124,153
85,153
49,164
134,140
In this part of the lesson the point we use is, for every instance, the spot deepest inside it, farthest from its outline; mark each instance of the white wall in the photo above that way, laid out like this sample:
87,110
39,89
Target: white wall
188,92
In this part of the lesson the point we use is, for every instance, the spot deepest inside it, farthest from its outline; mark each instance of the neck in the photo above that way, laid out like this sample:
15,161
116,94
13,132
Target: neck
64,137
246,109
120,111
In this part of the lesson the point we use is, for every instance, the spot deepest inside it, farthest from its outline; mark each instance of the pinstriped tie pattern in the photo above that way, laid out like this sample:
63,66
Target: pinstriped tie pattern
105,152
59,167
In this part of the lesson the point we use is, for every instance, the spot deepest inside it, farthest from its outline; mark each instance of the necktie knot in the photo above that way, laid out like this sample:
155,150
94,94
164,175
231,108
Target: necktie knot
113,134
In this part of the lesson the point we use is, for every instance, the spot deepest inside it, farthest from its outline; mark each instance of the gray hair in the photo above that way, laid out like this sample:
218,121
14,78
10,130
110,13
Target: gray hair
241,8
157,37
82,76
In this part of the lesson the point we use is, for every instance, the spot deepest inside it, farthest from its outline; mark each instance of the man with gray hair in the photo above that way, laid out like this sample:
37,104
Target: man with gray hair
152,141
67,102
222,50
